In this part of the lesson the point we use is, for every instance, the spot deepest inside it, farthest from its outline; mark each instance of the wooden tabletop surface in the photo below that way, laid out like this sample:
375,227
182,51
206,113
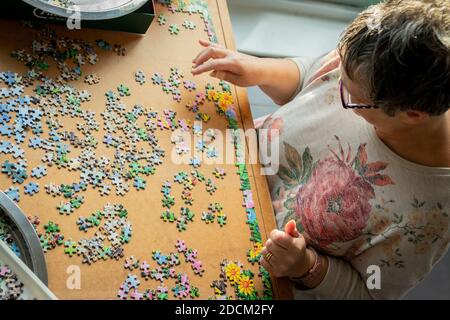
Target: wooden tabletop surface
155,52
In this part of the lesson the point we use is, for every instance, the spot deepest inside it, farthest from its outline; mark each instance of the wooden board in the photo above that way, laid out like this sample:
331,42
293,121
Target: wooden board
157,51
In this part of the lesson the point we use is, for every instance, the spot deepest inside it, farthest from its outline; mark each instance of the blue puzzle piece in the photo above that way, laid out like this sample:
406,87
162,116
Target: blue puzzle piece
5,130
31,188
35,142
195,162
19,176
24,100
19,137
5,146
16,151
9,77
39,172
4,118
13,193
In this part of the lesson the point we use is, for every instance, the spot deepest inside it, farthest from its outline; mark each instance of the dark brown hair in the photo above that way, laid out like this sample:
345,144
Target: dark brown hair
400,52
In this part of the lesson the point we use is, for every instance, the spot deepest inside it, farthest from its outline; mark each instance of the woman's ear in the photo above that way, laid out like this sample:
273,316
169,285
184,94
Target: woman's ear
414,117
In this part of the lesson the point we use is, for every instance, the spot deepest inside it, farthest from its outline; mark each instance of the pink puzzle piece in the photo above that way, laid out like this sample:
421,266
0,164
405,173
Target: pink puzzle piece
197,266
181,246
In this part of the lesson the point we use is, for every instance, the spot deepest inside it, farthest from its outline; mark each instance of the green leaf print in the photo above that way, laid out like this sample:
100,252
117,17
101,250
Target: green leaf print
299,168
416,203
360,160
288,176
290,203
307,165
277,192
291,215
293,159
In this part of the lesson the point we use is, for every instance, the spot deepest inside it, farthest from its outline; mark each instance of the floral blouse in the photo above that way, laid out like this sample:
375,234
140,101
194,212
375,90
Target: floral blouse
353,198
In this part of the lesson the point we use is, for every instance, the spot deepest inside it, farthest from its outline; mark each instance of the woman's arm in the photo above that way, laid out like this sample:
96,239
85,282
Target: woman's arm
286,255
278,78
340,281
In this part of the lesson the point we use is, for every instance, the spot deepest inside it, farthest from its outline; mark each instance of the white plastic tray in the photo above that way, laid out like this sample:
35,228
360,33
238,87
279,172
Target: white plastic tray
33,287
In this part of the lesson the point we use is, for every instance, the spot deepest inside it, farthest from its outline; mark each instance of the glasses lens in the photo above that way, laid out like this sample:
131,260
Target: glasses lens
345,96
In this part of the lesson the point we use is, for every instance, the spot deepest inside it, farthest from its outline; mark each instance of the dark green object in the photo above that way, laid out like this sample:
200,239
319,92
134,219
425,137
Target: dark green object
136,22
25,236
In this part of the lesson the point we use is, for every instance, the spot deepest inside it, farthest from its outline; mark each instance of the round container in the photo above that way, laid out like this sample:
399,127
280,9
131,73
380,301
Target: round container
89,9
25,237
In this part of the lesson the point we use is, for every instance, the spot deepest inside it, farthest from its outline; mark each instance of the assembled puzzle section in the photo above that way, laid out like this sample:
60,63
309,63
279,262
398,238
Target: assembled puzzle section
91,131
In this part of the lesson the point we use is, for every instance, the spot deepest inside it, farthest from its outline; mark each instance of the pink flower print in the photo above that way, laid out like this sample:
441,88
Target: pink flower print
333,205
275,128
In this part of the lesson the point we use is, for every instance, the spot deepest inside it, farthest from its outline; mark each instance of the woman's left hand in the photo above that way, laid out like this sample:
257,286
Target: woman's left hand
285,253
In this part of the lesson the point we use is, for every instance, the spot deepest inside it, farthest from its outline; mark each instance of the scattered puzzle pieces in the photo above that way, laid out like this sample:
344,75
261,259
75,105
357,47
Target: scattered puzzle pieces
173,29
131,263
11,286
189,25
166,268
92,79
39,172
31,188
162,19
13,193
127,129
140,77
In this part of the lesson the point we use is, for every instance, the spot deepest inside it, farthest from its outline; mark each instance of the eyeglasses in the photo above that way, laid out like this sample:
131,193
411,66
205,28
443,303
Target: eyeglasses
346,99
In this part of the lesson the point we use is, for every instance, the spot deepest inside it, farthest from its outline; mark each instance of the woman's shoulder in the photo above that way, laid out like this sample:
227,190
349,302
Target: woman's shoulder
323,65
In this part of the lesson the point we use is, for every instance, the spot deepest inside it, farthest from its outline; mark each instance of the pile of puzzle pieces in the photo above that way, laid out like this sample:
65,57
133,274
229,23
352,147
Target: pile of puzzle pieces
165,269
51,237
10,286
6,234
189,181
36,121
112,232
191,7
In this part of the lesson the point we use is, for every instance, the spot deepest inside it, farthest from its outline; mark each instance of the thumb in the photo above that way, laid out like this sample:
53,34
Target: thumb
204,43
291,229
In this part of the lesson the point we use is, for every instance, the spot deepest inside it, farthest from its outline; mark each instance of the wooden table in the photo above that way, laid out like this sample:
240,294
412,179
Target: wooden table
157,51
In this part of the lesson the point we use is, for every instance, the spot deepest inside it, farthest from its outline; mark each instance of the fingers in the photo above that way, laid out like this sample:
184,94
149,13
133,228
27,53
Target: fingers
271,265
206,43
266,266
208,53
267,263
213,65
291,229
264,253
284,240
275,248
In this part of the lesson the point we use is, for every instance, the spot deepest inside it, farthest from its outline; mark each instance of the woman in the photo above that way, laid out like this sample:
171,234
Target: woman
365,152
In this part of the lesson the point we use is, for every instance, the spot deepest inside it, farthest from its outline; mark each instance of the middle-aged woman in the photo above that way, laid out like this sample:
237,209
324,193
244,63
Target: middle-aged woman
365,152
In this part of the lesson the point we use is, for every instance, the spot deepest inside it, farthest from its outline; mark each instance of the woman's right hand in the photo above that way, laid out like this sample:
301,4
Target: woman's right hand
278,78
240,69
